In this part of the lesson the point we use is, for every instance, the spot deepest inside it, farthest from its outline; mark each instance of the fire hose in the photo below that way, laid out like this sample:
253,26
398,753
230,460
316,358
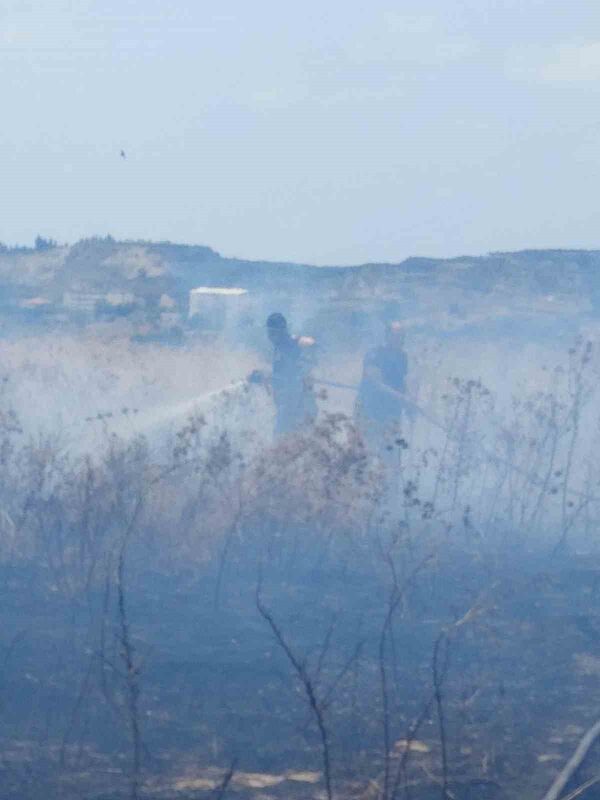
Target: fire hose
493,457
257,379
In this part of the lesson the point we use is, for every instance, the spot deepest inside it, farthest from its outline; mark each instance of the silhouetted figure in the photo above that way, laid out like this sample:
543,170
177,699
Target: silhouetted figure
123,154
381,401
293,395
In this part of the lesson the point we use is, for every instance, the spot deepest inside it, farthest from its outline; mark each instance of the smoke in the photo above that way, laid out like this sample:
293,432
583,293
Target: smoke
207,402
81,389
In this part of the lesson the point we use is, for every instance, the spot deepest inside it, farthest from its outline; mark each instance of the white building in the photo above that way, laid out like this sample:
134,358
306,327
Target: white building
84,302
121,299
218,308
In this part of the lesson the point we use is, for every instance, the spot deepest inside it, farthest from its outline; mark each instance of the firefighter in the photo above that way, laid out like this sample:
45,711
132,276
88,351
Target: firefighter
295,403
381,403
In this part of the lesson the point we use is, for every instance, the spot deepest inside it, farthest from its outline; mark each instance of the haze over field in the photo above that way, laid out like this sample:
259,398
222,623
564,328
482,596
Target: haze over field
299,400
103,325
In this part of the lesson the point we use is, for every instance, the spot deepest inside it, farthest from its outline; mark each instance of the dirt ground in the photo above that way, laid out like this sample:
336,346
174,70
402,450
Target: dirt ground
216,690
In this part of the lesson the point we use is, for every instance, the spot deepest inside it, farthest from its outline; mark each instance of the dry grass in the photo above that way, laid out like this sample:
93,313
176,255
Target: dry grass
57,382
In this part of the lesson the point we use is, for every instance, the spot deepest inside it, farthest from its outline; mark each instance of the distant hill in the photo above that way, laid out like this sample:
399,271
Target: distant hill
152,269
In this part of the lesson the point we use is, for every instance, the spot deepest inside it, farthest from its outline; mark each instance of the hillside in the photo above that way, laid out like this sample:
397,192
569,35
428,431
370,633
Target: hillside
56,283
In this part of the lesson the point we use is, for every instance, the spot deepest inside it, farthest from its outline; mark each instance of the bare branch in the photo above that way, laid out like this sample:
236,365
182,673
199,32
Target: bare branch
309,689
573,763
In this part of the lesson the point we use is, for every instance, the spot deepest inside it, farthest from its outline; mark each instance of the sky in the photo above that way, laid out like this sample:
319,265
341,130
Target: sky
325,132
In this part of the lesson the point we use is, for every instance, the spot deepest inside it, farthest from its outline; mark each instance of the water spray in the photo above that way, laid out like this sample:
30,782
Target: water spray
161,415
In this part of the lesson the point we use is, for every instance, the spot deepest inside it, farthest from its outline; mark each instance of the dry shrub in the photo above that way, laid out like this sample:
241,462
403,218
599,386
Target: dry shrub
321,476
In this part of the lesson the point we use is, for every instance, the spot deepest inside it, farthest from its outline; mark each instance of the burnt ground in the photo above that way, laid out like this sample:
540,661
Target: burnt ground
215,688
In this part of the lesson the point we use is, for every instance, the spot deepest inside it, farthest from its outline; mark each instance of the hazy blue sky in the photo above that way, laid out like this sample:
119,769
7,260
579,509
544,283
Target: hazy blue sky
329,132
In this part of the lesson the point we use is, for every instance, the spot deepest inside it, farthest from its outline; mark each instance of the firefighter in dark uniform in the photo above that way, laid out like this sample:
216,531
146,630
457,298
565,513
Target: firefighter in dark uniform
381,402
295,403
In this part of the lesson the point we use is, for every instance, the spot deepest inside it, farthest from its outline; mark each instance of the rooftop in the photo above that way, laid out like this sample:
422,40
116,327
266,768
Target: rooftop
222,290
